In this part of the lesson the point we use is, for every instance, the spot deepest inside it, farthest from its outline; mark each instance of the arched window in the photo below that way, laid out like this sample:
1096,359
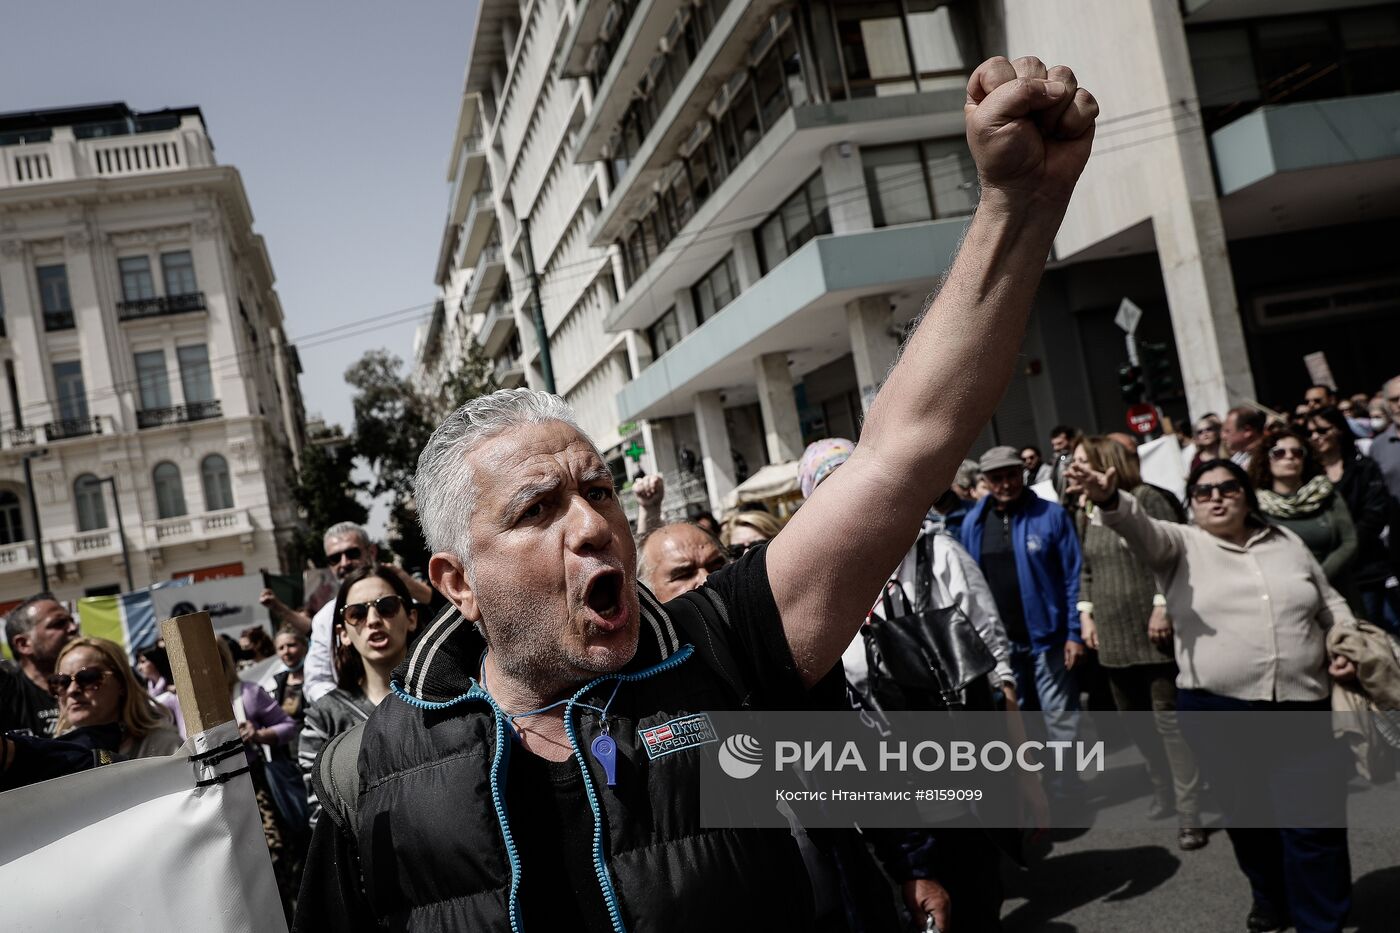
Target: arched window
218,490
11,518
170,491
92,510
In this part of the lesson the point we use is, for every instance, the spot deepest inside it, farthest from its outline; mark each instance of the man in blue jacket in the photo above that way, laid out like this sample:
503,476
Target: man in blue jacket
1027,549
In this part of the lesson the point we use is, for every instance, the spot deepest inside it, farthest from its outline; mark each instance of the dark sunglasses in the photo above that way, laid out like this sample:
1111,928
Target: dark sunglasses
737,551
1321,432
1287,453
86,679
1203,492
350,553
357,613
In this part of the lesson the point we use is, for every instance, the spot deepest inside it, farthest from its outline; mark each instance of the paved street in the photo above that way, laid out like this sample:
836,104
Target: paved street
1111,881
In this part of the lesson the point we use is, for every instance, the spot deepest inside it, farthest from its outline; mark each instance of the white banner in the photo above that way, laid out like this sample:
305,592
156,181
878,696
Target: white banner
232,603
136,846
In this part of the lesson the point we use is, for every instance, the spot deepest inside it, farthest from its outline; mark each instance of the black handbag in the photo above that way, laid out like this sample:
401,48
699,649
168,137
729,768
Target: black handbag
923,656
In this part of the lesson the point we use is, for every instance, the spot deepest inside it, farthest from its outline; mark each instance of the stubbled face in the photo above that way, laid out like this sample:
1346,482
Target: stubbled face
380,640
289,649
1060,443
1221,515
679,559
1006,484
1031,459
347,553
53,628
98,704
554,563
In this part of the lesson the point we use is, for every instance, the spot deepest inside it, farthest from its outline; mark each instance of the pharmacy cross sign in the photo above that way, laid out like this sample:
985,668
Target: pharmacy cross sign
635,451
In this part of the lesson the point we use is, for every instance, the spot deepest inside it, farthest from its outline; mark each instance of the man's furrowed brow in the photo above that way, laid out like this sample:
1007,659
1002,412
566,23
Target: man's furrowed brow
595,474
525,495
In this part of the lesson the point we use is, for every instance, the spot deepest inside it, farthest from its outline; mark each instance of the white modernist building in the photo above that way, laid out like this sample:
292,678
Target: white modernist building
146,375
730,210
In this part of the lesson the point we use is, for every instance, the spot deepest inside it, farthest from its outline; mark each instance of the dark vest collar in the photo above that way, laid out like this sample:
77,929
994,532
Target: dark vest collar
442,664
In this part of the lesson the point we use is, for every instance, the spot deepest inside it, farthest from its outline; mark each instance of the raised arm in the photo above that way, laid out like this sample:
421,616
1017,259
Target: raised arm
1030,132
1158,543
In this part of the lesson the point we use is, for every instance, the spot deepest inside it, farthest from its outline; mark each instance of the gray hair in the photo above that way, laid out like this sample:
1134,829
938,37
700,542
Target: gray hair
20,620
443,489
345,530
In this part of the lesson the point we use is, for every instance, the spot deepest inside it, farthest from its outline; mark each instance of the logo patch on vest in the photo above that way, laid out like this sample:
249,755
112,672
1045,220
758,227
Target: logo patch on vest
678,735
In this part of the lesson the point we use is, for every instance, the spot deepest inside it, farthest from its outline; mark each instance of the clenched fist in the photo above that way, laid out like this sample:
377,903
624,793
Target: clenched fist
1030,128
649,490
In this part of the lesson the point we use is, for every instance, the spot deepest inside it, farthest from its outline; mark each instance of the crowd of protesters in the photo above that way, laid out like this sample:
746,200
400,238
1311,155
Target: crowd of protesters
425,769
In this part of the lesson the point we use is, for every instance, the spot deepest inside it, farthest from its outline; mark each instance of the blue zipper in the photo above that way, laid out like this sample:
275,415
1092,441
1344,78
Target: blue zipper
501,760
600,866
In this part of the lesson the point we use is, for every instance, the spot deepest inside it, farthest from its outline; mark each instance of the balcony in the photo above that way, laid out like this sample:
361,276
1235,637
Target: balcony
61,319
61,430
476,229
187,529
1309,164
466,176
509,372
64,158
18,556
178,414
490,266
797,309
139,308
499,322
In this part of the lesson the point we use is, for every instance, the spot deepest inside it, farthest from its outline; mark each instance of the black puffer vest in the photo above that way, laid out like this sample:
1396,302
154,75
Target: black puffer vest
434,836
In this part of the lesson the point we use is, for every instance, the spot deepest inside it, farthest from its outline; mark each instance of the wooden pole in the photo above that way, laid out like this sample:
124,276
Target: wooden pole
199,672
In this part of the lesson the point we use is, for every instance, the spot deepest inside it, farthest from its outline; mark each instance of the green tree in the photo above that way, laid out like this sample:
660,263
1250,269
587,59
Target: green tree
325,490
394,419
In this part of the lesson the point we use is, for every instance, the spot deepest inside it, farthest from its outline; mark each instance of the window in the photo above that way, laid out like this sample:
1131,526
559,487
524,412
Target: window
894,178
170,492
665,333
69,390
195,378
864,48
940,49
178,270
137,282
152,379
717,289
919,181
799,218
11,518
218,490
92,509
53,289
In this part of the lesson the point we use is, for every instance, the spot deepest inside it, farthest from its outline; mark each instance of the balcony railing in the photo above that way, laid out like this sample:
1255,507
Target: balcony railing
66,428
59,320
178,414
197,527
160,306
17,556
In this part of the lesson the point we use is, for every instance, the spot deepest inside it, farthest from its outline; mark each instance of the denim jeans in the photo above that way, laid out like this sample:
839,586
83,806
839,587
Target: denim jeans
1043,675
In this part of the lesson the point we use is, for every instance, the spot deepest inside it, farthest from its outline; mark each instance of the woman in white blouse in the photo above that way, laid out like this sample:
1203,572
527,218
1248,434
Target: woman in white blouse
1250,607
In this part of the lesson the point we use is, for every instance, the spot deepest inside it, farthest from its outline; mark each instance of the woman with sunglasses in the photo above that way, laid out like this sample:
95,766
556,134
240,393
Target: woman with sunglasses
1251,608
1295,494
374,617
99,698
1205,441
1360,483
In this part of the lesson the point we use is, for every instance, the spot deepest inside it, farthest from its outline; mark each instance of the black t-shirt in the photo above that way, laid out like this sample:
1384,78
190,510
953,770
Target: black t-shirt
24,707
998,560
553,830
546,803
